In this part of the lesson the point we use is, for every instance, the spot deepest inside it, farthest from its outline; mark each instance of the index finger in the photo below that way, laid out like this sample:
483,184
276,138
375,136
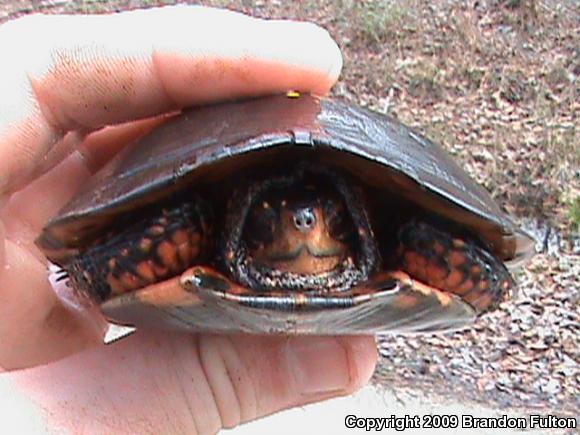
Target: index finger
86,72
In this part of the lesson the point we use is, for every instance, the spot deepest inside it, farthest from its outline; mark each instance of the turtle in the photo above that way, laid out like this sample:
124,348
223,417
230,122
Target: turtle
286,214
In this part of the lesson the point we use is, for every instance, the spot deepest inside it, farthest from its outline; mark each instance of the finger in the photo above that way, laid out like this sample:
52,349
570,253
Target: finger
252,377
35,327
78,77
193,384
29,209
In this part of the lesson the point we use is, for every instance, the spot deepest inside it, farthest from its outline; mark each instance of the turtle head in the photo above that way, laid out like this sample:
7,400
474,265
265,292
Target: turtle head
298,231
303,228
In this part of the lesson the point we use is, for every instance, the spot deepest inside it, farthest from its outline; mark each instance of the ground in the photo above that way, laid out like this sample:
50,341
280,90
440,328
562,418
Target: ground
496,83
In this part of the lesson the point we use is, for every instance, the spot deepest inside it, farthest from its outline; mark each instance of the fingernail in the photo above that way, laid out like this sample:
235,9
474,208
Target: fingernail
323,53
319,365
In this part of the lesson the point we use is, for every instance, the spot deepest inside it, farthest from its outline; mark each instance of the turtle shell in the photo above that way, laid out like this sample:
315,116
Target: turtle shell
205,144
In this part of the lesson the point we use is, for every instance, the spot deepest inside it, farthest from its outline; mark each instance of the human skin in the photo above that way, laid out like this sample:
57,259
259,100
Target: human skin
75,90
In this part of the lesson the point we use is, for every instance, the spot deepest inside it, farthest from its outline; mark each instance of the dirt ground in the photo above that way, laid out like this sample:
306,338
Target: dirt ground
496,83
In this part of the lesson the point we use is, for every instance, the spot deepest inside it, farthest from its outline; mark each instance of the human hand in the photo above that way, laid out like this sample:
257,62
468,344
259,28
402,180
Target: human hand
74,91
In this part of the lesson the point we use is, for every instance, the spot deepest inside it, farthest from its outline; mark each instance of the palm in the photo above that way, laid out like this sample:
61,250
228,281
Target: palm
46,329
33,321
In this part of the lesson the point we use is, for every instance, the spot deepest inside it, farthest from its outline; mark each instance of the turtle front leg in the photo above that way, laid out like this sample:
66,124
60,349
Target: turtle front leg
452,264
150,246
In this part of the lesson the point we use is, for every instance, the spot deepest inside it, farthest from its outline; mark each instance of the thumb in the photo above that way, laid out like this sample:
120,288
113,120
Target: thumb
252,377
179,383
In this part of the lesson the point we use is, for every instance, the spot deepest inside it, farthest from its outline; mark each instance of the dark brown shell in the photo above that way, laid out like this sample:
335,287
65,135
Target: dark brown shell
211,141
211,144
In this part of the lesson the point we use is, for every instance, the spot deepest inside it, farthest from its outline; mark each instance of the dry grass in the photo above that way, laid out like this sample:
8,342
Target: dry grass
497,85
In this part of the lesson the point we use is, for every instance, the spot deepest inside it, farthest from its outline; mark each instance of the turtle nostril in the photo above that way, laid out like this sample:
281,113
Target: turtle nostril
304,219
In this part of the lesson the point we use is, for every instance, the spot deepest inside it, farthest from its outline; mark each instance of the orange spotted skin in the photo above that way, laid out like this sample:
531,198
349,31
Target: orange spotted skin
153,247
171,239
161,242
452,264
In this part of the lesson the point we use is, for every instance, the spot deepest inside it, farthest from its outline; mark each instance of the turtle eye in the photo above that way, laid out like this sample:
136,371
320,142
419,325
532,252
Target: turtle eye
260,225
337,220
